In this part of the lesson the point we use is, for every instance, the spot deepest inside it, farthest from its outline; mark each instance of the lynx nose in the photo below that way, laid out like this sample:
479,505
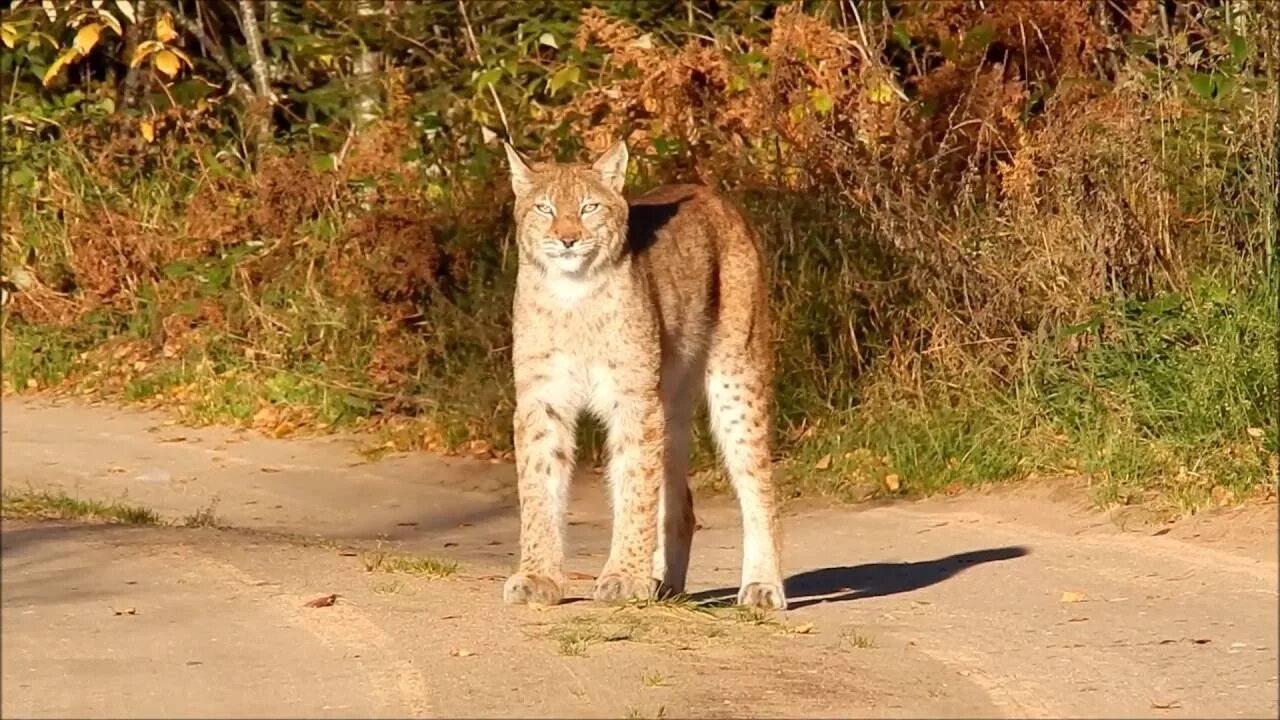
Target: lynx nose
566,231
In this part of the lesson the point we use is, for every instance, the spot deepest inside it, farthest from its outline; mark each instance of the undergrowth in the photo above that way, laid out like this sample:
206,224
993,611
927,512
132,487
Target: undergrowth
991,258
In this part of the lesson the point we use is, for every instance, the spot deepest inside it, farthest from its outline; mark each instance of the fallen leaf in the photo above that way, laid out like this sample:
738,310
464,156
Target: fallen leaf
269,469
581,576
803,629
461,653
892,482
823,463
323,601
1255,433
1073,597
347,553
1172,704
127,611
175,438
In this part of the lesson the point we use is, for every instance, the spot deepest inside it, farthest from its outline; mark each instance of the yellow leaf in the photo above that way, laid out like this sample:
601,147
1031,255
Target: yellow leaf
66,58
110,21
148,127
126,9
881,91
892,482
87,37
164,28
823,463
143,50
167,63
1073,597
9,34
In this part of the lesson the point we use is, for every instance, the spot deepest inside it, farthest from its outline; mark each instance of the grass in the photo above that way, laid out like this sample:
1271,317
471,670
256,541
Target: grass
204,517
675,623
1168,402
573,637
638,714
59,506
419,565
390,587
854,639
655,679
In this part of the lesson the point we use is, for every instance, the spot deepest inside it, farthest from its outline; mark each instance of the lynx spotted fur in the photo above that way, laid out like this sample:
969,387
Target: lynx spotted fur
624,309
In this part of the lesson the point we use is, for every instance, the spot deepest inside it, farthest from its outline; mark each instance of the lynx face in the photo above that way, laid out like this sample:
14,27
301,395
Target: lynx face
570,219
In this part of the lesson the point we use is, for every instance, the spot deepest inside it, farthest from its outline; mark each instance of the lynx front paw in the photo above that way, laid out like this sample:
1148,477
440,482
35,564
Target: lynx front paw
766,596
531,589
620,588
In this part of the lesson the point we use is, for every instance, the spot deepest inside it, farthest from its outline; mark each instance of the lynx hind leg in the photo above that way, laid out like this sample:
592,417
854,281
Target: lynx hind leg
738,400
675,504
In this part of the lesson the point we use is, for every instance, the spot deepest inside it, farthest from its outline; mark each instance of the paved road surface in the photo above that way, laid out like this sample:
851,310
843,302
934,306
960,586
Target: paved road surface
924,609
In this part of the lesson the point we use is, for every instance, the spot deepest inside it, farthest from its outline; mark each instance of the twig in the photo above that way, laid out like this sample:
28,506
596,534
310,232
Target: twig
475,48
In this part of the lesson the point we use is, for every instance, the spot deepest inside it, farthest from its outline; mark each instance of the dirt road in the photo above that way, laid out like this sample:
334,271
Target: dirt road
1011,604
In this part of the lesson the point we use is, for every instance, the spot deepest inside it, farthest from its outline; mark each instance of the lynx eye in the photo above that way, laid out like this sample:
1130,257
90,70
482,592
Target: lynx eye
544,208
590,208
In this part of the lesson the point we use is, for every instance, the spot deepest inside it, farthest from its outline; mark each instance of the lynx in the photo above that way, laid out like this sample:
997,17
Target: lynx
622,309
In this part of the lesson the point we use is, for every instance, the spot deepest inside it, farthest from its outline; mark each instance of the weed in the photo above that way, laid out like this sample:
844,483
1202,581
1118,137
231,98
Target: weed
390,587
203,517
420,565
654,679
854,639
574,636
59,506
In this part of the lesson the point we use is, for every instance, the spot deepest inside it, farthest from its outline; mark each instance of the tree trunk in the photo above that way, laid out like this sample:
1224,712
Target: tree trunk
128,96
264,100
367,66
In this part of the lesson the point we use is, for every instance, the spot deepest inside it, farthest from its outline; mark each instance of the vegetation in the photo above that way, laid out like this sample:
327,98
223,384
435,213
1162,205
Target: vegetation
421,565
1007,239
59,506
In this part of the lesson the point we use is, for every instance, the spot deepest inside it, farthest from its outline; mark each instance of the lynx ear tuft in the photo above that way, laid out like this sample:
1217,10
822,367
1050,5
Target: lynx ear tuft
521,174
612,165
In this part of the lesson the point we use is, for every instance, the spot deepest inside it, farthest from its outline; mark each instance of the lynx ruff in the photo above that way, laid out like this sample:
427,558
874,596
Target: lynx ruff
623,309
